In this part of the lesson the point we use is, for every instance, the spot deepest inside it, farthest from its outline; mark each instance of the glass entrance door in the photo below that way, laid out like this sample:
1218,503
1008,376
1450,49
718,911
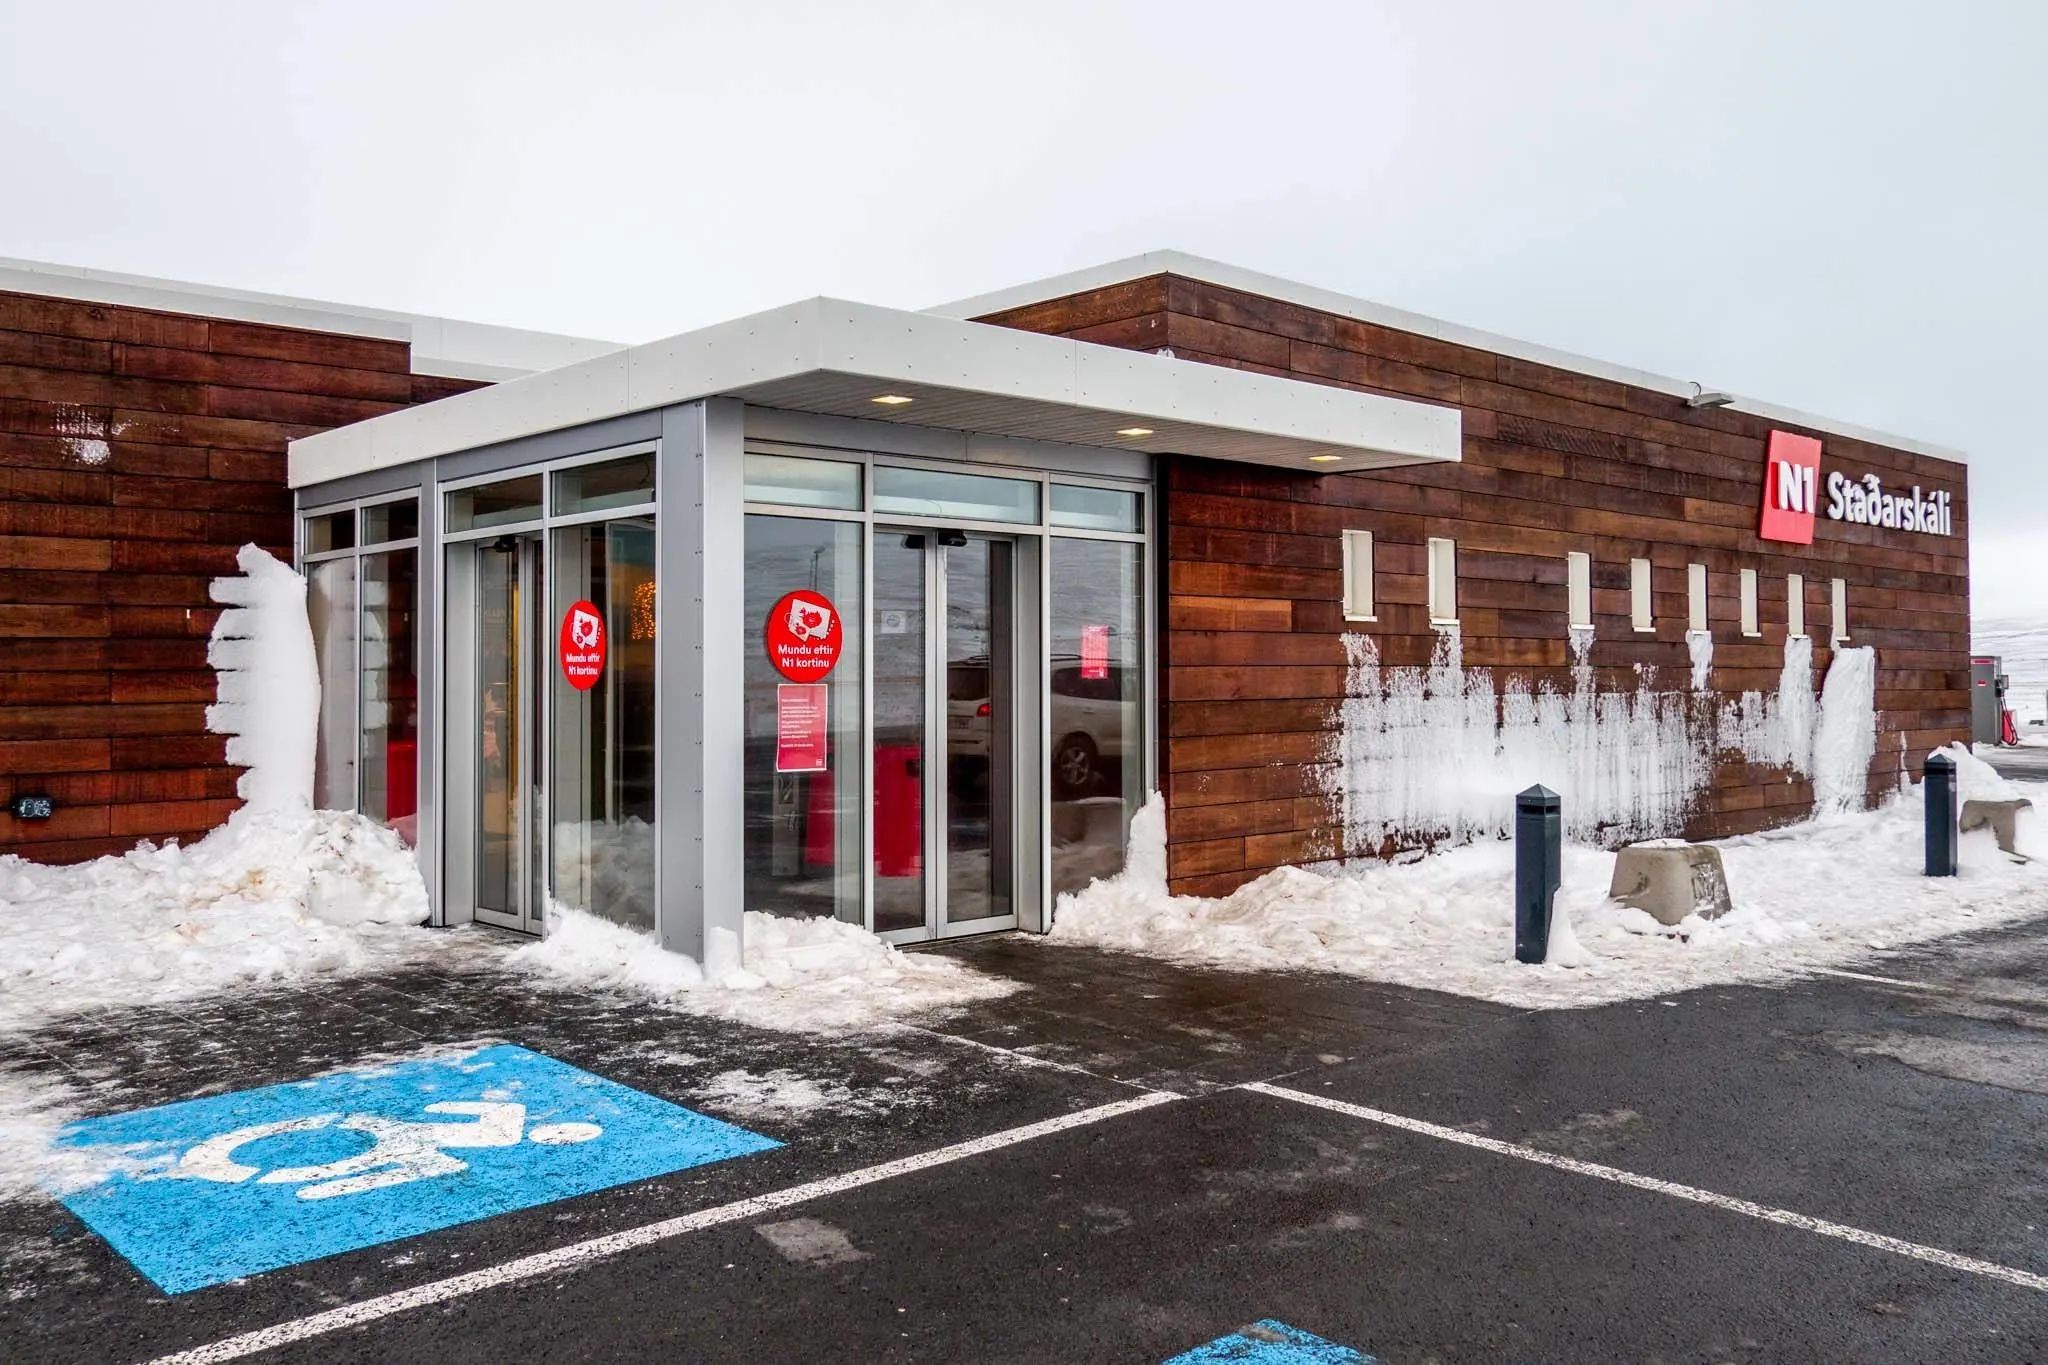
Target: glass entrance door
510,854
947,729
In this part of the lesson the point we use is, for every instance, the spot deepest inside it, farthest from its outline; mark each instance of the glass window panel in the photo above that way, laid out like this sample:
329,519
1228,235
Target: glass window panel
389,755
495,504
603,792
970,497
391,521
799,482
1096,509
331,531
596,487
804,823
1097,713
331,609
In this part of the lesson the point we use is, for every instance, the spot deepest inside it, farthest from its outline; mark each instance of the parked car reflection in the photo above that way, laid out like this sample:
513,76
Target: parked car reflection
1093,718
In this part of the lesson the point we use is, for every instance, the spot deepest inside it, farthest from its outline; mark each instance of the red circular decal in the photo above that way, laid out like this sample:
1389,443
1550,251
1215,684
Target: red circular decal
804,636
583,644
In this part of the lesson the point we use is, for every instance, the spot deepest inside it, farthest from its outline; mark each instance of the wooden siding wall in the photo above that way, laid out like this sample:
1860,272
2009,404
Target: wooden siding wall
1554,461
138,451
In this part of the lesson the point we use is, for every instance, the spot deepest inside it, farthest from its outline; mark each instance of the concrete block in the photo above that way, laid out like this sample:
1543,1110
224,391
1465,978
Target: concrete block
1999,815
1671,879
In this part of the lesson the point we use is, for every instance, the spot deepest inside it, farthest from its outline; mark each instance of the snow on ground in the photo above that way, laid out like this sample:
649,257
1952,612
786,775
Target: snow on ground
1835,890
801,975
775,1094
265,898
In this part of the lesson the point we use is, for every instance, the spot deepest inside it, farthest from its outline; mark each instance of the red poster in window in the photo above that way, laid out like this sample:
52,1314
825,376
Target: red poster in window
583,645
801,711
1095,651
804,636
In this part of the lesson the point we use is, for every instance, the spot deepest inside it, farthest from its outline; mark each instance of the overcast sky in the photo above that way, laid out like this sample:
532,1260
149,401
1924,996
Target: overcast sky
1839,207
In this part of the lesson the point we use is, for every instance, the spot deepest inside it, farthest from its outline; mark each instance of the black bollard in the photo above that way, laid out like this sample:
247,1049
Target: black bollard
1938,790
1539,867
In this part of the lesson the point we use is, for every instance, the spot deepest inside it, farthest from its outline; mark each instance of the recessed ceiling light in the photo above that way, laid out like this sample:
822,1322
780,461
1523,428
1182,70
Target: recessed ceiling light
1134,431
1324,459
892,400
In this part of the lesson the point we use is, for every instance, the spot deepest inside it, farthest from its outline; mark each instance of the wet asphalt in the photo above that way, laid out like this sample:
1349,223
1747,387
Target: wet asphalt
1912,1107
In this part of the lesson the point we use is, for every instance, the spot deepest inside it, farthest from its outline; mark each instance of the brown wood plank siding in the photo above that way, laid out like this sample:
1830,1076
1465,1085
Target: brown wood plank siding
138,451
1251,655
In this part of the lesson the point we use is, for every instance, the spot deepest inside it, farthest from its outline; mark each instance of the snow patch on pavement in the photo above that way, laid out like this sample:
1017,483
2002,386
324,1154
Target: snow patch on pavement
268,897
775,1094
801,975
1833,891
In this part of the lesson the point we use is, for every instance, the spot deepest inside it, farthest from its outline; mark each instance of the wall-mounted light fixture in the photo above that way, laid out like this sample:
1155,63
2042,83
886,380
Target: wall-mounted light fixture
1708,398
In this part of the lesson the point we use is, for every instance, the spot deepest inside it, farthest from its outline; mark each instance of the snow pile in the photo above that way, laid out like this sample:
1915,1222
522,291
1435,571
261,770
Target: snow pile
269,683
801,975
269,896
1828,892
1977,780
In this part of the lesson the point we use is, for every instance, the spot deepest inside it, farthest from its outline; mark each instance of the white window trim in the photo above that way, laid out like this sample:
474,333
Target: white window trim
1358,588
1838,595
1578,577
1642,614
1795,606
1443,581
1696,598
1749,616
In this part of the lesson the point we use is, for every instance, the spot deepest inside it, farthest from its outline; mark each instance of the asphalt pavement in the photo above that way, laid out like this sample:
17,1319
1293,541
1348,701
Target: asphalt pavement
1127,1160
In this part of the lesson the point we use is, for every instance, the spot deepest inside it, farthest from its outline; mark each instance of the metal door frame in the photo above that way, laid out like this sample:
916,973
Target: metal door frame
462,813
1022,730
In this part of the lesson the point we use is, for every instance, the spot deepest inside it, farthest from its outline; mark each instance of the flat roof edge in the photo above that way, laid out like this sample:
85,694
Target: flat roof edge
449,347
749,357
1227,276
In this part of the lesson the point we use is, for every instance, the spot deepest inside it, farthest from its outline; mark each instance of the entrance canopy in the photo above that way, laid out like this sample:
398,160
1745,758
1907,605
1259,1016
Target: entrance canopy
854,360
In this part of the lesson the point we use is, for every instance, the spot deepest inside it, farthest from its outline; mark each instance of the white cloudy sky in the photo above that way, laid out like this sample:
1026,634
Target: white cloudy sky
1842,207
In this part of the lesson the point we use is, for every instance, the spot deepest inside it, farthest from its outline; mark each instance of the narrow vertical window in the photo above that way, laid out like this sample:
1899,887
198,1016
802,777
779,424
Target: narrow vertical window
1443,582
1795,606
1578,575
1696,597
1749,626
1358,576
1840,597
1639,595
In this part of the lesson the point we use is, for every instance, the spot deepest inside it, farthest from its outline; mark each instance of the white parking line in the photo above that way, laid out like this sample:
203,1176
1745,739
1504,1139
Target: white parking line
612,1244
1880,980
1933,1255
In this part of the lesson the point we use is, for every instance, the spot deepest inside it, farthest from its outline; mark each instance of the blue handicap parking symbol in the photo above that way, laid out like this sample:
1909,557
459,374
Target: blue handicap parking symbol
212,1189
1271,1343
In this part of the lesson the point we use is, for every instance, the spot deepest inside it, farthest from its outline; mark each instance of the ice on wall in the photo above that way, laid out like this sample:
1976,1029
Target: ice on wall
269,685
1439,752
1845,733
1700,645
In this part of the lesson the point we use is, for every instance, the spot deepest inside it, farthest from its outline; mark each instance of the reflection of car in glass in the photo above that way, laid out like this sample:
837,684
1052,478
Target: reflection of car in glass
1091,718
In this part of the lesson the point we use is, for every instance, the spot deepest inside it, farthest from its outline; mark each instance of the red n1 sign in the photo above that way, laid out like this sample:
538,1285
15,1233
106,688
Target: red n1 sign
1791,488
804,636
583,645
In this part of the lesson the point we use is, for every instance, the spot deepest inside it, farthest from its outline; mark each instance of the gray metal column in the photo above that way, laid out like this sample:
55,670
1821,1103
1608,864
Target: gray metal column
429,618
700,609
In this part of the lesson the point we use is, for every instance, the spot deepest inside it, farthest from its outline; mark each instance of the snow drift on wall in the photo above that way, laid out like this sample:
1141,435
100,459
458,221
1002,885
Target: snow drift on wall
1439,752
269,684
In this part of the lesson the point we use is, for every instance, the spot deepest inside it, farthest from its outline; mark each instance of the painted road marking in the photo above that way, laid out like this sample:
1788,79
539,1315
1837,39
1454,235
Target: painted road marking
213,1189
1272,1343
1932,1255
616,1243
1880,980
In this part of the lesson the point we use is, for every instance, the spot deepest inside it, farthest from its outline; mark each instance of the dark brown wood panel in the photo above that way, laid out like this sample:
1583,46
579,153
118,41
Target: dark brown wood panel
1252,658
138,451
